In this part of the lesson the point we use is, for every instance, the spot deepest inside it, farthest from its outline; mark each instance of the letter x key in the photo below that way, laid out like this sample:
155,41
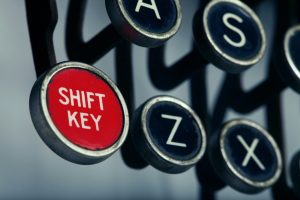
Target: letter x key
250,152
245,156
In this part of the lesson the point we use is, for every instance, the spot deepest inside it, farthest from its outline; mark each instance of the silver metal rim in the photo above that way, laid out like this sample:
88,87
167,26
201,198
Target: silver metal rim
255,18
257,184
290,33
157,36
43,99
145,111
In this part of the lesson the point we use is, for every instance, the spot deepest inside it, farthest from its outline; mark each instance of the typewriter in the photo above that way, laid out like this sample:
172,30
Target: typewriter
150,99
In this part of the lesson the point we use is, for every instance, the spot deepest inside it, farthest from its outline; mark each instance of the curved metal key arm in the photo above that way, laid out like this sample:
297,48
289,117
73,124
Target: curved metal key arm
42,18
95,48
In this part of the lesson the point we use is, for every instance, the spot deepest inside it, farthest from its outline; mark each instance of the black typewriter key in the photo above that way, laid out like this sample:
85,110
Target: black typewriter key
230,35
295,173
290,69
168,134
245,156
145,22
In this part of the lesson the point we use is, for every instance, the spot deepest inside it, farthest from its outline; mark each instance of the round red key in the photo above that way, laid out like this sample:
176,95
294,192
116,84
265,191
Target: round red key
79,112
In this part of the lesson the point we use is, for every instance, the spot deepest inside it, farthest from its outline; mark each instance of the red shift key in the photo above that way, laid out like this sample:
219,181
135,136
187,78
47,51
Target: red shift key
79,113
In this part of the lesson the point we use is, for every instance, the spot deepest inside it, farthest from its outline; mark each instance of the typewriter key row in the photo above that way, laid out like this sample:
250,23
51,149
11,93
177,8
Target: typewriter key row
228,32
81,115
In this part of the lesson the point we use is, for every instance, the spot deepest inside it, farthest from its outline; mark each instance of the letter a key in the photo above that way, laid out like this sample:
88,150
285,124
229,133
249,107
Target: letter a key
146,23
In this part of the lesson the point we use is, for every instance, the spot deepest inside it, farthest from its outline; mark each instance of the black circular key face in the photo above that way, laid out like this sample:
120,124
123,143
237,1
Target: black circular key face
145,22
295,172
160,124
171,136
246,156
154,16
232,32
290,70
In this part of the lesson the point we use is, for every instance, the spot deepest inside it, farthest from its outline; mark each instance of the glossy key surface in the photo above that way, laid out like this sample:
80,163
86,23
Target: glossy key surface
245,156
145,22
79,112
230,35
168,134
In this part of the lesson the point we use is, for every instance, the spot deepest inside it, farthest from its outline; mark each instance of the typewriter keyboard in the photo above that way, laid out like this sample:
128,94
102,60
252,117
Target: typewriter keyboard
150,99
